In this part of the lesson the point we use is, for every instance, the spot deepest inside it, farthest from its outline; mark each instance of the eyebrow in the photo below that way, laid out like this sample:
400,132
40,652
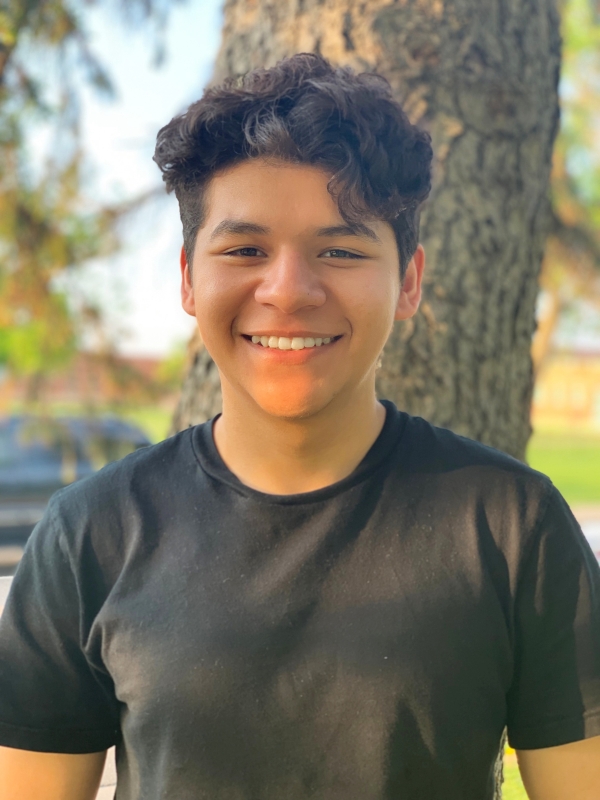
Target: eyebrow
349,230
242,227
237,226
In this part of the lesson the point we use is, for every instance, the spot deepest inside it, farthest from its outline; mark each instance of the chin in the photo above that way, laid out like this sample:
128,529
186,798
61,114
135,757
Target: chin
290,406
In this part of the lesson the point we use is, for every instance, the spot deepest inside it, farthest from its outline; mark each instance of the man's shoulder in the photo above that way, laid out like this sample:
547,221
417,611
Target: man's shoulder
92,527
438,449
150,472
461,472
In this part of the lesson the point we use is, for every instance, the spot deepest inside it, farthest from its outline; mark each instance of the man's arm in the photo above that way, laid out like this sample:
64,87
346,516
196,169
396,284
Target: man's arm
27,775
562,773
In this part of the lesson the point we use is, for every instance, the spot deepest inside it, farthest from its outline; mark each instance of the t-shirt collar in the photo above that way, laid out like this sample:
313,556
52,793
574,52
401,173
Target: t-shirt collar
382,448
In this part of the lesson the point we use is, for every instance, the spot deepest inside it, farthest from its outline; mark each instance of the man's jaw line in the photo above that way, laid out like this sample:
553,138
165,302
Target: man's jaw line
303,422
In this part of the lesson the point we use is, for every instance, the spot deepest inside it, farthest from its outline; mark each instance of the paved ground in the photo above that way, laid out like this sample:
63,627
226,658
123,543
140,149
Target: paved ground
10,555
588,517
4,587
109,778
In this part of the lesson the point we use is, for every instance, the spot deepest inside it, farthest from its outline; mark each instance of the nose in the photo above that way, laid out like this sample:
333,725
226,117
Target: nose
290,283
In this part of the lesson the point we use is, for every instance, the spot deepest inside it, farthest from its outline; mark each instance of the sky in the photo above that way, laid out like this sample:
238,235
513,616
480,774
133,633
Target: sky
140,286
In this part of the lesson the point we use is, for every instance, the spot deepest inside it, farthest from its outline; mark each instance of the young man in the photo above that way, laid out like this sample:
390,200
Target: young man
314,595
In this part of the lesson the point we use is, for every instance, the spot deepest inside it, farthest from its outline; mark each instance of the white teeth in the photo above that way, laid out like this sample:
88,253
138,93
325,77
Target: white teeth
285,343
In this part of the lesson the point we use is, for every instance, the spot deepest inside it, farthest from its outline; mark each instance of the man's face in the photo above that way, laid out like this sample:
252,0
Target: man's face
275,264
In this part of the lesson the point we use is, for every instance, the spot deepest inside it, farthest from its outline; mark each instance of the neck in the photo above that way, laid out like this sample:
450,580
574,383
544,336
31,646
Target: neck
289,456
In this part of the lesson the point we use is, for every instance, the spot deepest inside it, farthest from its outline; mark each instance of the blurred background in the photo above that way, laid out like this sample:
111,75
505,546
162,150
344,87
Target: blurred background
93,342
92,336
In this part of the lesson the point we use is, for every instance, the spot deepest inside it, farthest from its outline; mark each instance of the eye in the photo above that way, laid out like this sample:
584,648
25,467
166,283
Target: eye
248,252
337,252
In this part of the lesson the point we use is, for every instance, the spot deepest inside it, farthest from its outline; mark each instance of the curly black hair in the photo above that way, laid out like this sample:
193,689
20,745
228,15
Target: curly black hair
305,111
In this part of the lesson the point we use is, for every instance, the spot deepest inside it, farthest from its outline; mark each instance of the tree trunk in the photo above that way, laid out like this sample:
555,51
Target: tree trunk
481,76
201,393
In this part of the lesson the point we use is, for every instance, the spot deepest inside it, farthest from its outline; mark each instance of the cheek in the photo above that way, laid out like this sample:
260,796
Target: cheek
218,301
372,305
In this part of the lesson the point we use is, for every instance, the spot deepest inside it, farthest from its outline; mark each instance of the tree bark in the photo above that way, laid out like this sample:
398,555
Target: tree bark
481,76
200,397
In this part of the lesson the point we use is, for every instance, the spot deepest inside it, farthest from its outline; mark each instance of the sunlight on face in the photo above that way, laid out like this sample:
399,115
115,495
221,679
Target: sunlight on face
275,261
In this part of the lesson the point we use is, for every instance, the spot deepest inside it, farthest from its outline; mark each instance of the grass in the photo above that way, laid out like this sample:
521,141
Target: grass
512,788
154,421
572,462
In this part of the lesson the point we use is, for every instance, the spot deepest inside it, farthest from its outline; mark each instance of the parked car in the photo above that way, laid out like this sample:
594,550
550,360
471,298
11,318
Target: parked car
40,455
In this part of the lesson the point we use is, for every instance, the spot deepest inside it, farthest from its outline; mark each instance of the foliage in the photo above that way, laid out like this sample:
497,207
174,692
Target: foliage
43,232
48,226
577,184
571,268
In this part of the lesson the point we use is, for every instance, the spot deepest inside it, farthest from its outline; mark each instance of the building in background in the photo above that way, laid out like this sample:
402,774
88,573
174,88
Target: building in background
567,392
96,381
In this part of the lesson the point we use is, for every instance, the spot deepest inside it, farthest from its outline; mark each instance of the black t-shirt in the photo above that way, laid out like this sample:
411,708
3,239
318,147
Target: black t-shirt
367,640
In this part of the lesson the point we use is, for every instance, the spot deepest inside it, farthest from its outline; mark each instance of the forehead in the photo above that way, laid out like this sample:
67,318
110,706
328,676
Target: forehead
275,194
257,182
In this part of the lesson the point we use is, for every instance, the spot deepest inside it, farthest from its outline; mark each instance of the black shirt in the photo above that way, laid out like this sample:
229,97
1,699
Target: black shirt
367,640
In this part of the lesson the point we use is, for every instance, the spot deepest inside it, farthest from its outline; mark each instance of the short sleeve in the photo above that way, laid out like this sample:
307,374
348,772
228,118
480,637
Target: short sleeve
52,698
555,694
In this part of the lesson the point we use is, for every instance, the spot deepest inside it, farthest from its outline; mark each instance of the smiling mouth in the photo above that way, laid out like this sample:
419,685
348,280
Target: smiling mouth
291,343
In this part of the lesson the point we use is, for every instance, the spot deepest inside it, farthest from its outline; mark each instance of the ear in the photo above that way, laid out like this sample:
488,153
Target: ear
410,291
187,290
